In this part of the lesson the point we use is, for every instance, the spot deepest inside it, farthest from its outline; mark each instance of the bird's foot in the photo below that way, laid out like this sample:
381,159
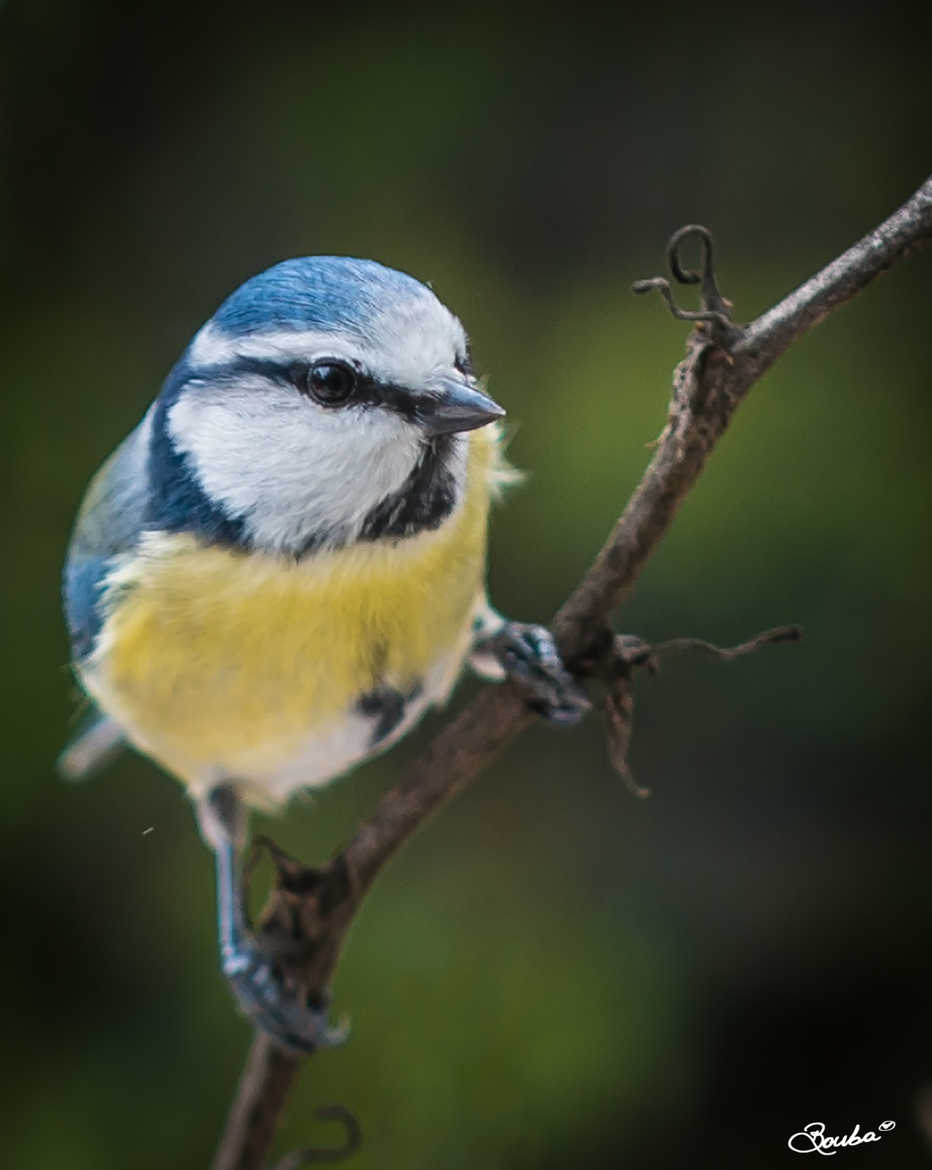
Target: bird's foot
529,657
283,1012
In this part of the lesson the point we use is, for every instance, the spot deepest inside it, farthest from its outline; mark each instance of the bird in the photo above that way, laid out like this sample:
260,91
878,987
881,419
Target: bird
282,567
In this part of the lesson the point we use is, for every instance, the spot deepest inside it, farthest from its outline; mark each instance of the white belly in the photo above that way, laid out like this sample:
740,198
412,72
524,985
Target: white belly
329,751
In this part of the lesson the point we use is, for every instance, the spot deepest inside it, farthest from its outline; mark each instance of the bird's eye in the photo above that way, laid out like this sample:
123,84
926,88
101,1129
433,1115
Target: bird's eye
331,383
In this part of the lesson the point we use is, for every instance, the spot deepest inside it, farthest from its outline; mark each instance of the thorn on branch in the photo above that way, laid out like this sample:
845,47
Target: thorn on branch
715,309
310,1154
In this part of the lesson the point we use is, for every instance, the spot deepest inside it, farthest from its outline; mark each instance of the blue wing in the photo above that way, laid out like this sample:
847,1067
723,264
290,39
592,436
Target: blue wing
108,526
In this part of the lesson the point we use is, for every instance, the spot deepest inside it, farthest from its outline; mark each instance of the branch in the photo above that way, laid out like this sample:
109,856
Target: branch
722,362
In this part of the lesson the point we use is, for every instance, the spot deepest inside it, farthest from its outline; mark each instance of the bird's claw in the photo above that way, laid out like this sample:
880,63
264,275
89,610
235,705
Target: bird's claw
529,656
282,1012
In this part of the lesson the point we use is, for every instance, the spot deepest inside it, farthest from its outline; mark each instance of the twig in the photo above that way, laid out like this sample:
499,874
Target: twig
726,653
722,362
626,653
257,1107
314,1154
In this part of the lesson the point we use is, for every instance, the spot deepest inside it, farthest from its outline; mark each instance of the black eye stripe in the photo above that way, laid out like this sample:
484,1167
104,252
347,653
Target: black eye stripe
463,363
294,374
368,392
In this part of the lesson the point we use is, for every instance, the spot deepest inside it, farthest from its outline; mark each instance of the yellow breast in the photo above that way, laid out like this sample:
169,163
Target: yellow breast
215,661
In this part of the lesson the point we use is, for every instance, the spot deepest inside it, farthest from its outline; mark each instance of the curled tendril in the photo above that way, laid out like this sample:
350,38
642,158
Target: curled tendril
686,275
714,307
310,1154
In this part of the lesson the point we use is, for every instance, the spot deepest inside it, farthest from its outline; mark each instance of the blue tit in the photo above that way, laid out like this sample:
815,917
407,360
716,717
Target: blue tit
282,567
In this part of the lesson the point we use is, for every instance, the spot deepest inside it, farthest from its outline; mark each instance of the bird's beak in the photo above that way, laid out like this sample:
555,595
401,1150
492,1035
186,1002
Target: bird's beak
453,405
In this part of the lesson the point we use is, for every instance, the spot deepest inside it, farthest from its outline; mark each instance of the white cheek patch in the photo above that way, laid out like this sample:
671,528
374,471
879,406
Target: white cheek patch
291,469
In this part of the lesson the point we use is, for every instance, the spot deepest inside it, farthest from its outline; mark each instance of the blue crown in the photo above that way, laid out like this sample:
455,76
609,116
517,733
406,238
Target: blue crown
316,292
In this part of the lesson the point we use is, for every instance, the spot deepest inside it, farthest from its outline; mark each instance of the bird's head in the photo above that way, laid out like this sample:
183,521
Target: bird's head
323,403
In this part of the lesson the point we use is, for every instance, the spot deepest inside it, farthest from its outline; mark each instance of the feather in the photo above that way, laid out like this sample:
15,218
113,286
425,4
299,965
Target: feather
94,745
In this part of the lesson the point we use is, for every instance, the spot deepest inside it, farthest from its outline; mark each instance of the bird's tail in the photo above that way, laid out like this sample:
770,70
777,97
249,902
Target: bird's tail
95,743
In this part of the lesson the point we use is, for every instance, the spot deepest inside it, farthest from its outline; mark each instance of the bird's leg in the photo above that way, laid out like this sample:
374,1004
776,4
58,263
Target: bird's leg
281,1011
528,656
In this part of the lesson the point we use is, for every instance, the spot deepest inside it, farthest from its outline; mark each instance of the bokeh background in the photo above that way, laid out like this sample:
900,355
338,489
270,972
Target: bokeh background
553,974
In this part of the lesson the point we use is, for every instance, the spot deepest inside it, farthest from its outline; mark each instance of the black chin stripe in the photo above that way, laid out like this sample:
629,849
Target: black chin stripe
177,502
422,503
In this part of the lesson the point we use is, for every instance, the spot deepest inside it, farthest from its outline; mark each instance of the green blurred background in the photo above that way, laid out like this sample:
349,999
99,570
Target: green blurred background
553,974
